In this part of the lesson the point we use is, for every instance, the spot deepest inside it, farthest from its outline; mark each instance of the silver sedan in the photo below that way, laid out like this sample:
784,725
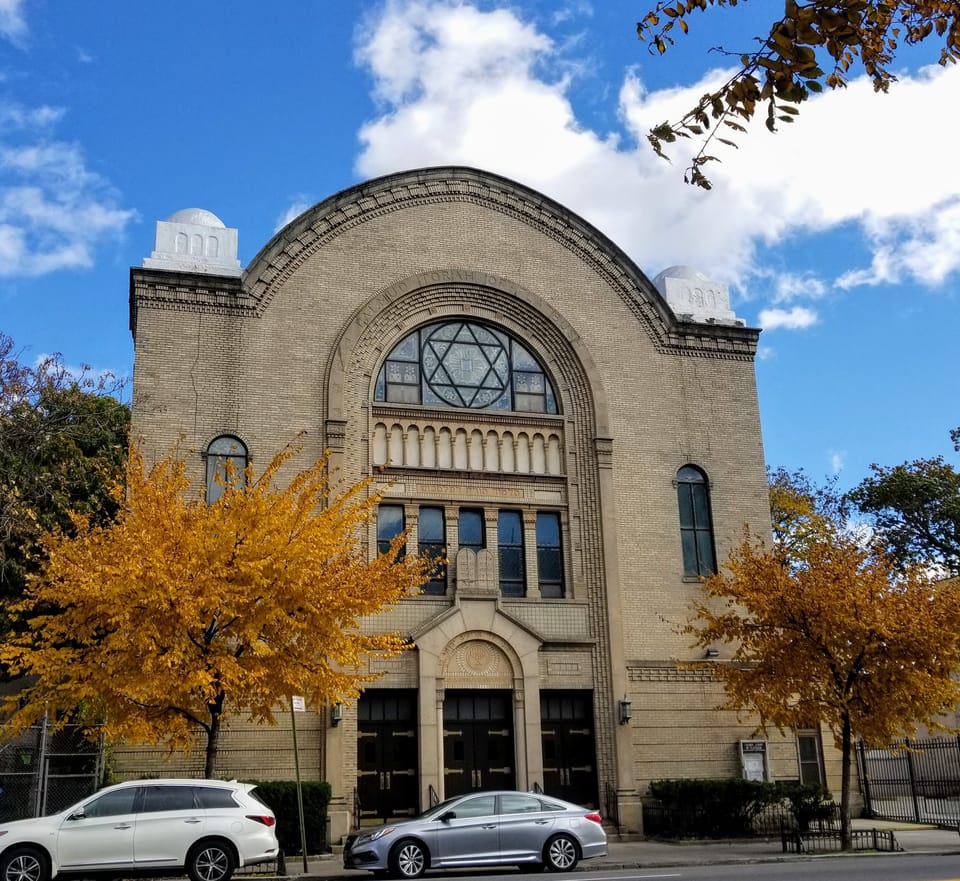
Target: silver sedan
482,829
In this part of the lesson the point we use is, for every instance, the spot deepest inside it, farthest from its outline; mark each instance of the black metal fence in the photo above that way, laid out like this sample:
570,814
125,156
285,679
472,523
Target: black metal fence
915,781
612,807
827,841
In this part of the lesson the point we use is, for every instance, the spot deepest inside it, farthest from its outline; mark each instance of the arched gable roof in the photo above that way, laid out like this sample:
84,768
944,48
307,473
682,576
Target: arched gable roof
319,225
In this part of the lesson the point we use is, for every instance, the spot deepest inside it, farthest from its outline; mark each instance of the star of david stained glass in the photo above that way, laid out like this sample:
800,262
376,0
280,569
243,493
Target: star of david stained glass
465,364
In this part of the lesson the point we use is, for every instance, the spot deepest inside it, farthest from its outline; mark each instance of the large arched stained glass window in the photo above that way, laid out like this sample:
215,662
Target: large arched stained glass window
465,364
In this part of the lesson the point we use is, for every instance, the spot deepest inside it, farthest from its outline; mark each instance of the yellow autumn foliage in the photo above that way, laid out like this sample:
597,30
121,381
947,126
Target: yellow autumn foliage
843,639
823,628
180,613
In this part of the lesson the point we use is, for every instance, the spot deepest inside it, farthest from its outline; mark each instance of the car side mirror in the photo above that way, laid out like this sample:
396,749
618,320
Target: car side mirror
78,814
447,815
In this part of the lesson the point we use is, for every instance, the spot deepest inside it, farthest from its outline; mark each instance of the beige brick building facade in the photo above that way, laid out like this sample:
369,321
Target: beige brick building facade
529,401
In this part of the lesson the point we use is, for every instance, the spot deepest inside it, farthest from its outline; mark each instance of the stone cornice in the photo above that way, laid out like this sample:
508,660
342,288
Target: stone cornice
283,254
187,291
341,212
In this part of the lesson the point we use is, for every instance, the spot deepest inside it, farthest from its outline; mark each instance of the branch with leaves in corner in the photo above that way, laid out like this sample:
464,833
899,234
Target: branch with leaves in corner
791,62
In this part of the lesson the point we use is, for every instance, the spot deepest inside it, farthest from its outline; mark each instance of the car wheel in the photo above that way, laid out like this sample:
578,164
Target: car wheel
207,861
408,859
24,864
561,854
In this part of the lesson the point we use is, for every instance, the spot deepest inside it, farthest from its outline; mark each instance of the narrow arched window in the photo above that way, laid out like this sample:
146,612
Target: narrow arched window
696,526
226,465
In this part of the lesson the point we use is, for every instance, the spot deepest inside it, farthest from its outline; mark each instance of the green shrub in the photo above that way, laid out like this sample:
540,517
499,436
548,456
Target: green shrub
808,801
729,807
281,797
722,808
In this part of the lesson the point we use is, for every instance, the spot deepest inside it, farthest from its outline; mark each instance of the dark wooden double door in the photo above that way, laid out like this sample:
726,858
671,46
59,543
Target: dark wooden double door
387,773
478,743
479,750
569,746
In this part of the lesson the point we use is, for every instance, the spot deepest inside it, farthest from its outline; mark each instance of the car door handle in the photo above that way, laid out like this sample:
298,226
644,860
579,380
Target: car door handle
490,826
124,826
541,822
193,820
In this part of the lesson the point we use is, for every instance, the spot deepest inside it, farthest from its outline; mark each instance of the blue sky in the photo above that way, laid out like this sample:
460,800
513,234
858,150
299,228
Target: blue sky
840,237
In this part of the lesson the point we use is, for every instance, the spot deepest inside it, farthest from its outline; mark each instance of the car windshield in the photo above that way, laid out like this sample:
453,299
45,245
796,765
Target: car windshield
438,809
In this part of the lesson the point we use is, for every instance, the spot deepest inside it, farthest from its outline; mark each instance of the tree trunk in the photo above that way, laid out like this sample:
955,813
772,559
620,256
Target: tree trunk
846,752
213,736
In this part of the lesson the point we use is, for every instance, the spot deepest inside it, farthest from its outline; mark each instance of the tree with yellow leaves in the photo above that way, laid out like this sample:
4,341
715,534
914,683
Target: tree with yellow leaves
180,614
829,630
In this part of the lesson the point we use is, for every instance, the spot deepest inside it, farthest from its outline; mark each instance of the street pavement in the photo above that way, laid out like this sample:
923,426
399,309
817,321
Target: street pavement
649,853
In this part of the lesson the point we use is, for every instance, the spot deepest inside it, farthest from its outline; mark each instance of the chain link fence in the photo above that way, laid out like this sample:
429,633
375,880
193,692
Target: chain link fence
42,771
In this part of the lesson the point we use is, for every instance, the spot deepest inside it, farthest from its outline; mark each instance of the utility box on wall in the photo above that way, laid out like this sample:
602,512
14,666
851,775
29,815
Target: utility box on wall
753,760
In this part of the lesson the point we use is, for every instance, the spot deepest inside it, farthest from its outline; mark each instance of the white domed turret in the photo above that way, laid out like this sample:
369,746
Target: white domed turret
195,240
197,217
693,297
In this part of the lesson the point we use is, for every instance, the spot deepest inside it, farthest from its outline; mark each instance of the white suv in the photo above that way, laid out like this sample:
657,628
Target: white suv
152,827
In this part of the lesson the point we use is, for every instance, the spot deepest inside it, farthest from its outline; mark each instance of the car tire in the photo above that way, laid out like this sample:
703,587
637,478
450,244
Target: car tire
561,854
207,861
24,864
408,859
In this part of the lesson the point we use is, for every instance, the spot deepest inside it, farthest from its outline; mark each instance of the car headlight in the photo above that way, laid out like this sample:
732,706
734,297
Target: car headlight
373,836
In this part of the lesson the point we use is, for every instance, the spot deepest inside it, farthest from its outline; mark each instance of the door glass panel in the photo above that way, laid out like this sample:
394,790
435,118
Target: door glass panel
482,806
167,798
111,803
519,804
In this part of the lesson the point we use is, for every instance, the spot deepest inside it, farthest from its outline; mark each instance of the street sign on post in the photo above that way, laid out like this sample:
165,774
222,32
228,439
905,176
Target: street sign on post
298,705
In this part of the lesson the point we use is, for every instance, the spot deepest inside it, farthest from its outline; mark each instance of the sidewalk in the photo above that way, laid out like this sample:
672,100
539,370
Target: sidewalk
914,839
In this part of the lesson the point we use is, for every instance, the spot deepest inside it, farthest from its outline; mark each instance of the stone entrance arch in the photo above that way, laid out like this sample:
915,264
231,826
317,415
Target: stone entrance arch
478,647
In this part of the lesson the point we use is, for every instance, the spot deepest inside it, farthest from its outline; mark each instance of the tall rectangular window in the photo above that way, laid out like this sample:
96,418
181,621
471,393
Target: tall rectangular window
510,544
808,754
432,542
549,554
390,523
470,529
696,527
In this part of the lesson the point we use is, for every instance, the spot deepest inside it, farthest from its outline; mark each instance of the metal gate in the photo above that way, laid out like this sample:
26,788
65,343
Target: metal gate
42,772
914,781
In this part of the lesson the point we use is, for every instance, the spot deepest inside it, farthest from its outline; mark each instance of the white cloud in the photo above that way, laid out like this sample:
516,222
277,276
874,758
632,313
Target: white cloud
294,210
13,26
796,318
925,247
789,286
838,459
16,117
54,211
461,86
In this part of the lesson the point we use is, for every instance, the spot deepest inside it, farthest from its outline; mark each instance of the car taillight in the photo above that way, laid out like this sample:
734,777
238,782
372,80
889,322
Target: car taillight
595,817
262,818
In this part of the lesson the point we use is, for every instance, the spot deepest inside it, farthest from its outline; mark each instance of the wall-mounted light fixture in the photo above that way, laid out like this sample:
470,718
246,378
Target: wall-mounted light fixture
624,710
712,653
336,714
